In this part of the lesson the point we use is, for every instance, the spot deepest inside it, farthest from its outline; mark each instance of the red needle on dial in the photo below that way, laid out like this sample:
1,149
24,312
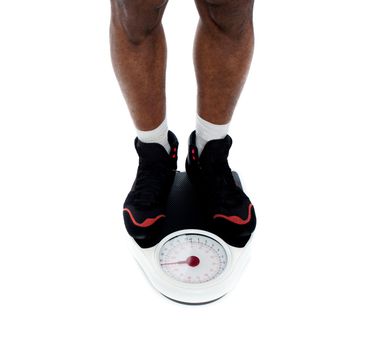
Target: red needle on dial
192,261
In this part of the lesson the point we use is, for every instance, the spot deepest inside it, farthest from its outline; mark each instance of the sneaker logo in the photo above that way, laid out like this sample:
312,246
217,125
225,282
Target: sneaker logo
236,219
146,223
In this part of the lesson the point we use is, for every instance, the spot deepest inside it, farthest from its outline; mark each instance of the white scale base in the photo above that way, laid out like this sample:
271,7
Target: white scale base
192,293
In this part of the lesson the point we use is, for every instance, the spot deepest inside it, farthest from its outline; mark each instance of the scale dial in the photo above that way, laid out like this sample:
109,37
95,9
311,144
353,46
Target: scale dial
193,258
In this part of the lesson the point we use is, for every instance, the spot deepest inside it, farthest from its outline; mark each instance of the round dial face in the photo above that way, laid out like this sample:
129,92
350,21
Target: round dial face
193,258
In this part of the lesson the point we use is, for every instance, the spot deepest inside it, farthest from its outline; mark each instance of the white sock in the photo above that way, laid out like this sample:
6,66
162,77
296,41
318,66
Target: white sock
158,135
206,131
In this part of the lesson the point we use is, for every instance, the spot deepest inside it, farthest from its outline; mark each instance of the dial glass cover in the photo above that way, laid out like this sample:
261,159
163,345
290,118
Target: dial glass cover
193,258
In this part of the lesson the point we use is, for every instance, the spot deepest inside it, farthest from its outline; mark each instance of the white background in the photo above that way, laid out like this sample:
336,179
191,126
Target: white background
67,279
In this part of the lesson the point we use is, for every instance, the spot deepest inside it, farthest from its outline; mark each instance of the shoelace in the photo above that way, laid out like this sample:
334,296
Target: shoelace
150,183
224,190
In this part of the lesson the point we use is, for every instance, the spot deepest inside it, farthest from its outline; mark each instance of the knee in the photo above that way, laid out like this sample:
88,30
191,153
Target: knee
231,16
138,18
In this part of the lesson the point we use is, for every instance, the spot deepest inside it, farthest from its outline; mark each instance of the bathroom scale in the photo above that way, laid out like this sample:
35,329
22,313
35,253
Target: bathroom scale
189,261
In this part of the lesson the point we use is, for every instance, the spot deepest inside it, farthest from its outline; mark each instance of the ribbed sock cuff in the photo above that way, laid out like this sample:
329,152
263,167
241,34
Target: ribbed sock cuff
157,135
206,131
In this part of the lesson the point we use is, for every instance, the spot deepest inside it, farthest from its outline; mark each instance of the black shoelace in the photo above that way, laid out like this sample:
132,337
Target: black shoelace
151,183
223,189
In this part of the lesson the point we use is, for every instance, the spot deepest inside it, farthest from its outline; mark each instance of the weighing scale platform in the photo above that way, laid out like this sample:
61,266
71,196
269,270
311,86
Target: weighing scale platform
189,261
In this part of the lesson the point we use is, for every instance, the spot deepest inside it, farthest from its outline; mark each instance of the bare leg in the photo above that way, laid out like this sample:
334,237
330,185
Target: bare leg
138,50
222,55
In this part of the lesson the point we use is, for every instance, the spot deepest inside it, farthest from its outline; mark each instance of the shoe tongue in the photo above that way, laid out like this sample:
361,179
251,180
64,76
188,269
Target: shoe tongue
216,150
150,151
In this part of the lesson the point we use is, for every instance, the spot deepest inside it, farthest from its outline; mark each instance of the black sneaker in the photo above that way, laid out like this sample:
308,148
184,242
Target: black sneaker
145,206
227,207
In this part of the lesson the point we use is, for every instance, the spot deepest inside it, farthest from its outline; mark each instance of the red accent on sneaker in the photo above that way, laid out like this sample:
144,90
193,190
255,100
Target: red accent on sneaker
148,222
236,219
